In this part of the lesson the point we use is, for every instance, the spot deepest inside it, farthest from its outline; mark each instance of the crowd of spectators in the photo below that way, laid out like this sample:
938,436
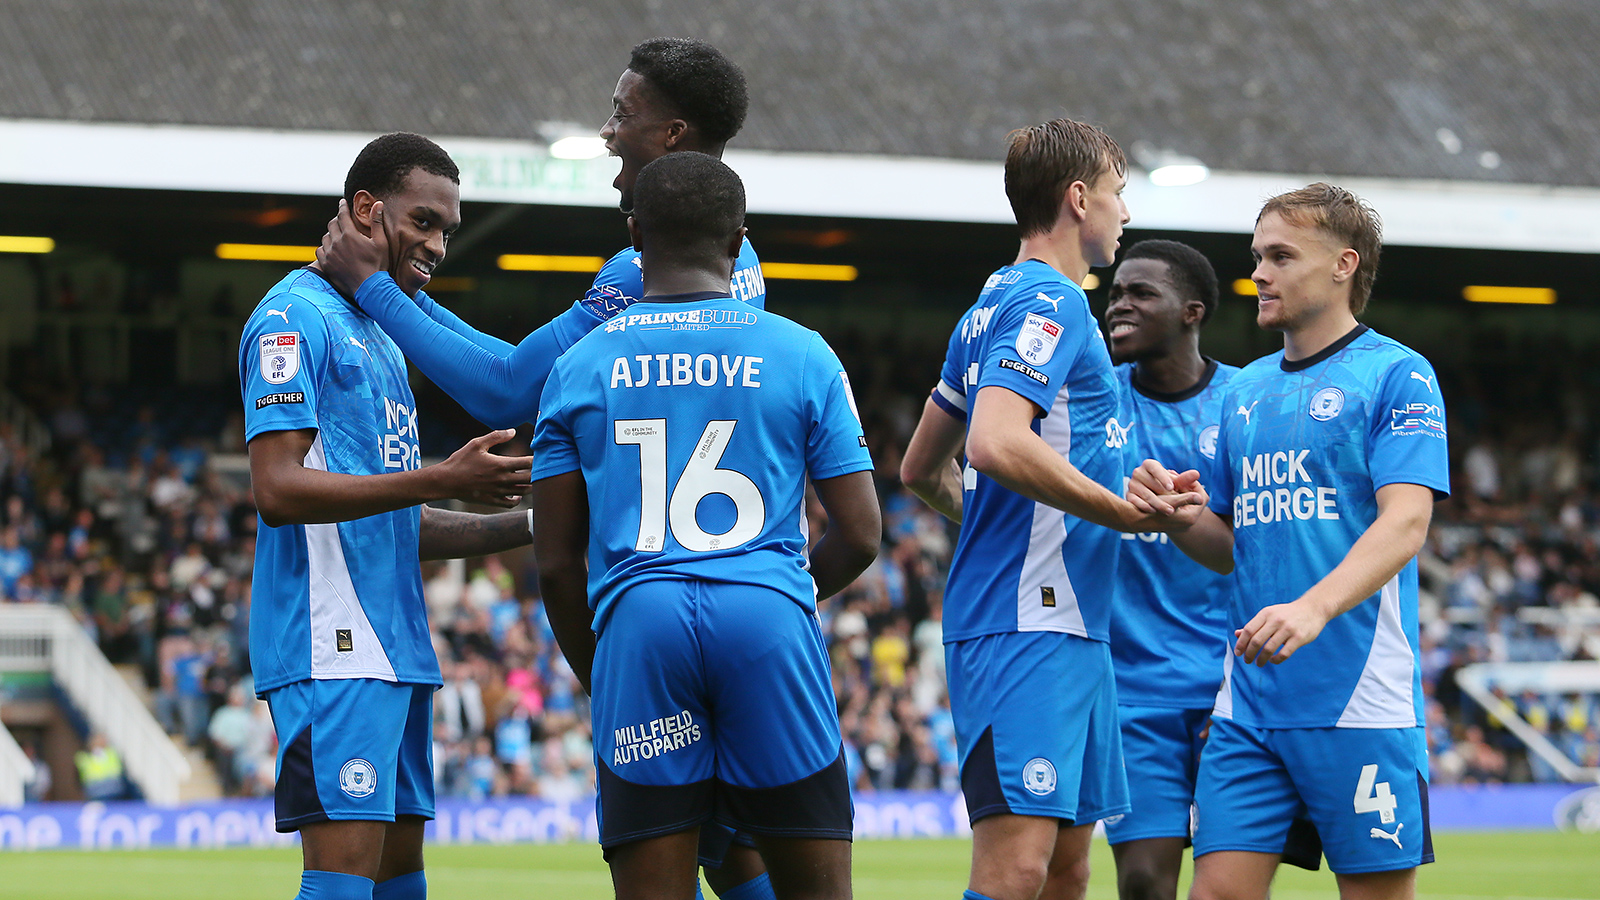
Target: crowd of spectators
141,527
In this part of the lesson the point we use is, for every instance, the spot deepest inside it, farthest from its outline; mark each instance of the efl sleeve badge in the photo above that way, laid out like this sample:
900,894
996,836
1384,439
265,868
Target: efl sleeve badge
280,357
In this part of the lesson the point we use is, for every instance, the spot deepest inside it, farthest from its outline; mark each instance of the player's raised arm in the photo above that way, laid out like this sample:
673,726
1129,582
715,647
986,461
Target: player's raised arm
1002,444
288,492
930,467
497,383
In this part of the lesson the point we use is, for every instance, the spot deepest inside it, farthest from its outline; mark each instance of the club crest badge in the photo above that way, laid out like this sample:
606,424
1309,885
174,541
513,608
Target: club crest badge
1326,404
357,778
1039,777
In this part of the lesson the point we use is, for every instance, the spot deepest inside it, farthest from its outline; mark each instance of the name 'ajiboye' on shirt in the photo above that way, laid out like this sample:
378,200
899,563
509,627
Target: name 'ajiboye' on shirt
695,421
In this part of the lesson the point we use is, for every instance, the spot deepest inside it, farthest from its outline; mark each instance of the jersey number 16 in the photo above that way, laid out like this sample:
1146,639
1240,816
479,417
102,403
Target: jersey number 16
699,478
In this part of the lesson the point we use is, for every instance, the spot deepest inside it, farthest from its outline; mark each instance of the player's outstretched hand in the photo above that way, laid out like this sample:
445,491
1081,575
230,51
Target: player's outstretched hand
347,257
1277,632
478,476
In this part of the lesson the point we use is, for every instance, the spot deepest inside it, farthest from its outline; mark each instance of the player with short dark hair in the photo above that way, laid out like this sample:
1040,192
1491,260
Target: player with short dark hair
1328,462
1168,613
384,164
676,94
339,637
693,98
1028,391
673,448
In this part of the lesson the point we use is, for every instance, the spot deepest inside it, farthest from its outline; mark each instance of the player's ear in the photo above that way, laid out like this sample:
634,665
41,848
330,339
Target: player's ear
361,211
736,245
677,131
1194,312
1344,268
1075,202
634,235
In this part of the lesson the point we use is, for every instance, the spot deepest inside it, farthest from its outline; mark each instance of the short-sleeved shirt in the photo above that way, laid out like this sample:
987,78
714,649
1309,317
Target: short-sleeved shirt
695,423
1169,614
620,283
1304,447
1021,565
336,600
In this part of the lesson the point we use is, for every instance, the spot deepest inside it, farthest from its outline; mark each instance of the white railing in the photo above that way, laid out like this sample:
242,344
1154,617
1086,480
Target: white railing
16,770
34,637
1480,682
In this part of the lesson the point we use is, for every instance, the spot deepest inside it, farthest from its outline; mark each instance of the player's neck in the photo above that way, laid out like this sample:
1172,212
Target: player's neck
1059,249
668,280
1171,372
1312,336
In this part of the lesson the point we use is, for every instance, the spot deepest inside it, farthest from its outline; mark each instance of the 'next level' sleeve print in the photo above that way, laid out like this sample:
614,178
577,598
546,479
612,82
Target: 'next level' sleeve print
1408,440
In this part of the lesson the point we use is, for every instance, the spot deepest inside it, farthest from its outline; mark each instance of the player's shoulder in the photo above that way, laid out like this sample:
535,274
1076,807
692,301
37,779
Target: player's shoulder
1390,350
1037,287
299,300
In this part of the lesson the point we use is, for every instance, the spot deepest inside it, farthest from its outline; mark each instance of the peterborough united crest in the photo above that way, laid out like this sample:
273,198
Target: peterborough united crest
1039,776
358,779
1326,404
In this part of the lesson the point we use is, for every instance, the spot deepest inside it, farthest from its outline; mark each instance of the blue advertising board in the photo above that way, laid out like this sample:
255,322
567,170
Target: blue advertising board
890,814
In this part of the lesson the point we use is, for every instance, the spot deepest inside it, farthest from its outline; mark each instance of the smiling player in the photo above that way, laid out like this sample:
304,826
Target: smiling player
1329,459
339,637
1168,613
676,94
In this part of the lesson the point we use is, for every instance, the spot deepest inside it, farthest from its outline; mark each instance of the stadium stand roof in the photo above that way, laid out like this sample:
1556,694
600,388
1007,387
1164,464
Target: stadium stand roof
1481,90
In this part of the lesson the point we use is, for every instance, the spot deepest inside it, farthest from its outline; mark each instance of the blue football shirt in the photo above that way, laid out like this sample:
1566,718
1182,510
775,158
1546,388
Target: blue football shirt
500,384
336,600
695,424
620,283
1303,449
1021,565
1169,617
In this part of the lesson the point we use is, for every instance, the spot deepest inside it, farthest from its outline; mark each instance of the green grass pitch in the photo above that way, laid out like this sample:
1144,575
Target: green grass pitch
1471,866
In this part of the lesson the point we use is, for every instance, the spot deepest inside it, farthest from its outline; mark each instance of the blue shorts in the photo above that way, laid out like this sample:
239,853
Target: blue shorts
1162,749
352,748
1365,790
1036,726
715,700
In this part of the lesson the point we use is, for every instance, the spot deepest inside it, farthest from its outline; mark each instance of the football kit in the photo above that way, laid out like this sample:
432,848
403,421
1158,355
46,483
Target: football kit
339,639
497,383
1168,615
695,420
1334,732
1027,605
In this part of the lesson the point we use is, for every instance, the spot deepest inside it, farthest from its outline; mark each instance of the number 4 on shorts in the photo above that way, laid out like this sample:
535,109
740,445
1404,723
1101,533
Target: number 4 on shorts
1375,797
